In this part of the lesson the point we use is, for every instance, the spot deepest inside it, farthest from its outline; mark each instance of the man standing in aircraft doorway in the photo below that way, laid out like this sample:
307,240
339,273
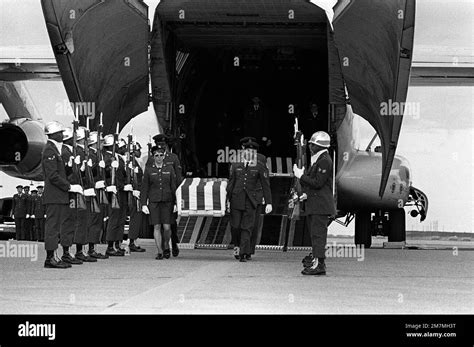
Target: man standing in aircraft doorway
255,124
320,206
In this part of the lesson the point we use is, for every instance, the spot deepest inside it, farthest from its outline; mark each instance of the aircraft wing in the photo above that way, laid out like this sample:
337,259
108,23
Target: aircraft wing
101,49
375,44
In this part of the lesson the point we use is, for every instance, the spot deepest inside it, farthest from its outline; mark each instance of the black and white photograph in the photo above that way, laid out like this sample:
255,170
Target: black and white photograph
243,161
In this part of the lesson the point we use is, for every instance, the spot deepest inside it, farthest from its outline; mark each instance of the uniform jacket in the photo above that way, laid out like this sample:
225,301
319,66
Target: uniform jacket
20,205
120,174
250,182
317,184
255,122
170,158
37,208
56,185
159,184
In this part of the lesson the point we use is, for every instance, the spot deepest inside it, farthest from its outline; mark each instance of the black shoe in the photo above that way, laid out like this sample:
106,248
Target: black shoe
166,253
309,258
159,256
67,258
85,258
134,248
94,254
54,264
121,250
318,271
111,252
242,258
248,257
175,251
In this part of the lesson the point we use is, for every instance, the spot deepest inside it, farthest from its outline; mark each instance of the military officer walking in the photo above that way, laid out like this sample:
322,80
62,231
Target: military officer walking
247,178
320,206
56,193
19,212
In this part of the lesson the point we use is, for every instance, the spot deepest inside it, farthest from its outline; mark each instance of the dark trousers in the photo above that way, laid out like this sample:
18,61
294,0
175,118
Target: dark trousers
20,228
256,228
318,226
55,223
81,227
39,229
174,231
29,223
94,225
244,221
135,222
117,219
66,233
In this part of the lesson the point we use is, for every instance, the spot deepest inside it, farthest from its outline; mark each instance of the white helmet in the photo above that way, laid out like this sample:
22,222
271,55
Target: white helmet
92,138
108,140
122,143
53,127
80,133
321,139
67,134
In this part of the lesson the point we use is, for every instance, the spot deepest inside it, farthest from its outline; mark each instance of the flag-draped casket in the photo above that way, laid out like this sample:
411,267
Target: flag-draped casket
202,197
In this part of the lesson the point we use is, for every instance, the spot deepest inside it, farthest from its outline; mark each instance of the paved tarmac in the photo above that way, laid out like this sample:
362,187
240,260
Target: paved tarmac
392,281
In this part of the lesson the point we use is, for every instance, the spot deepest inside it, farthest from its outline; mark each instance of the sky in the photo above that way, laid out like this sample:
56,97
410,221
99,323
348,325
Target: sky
438,144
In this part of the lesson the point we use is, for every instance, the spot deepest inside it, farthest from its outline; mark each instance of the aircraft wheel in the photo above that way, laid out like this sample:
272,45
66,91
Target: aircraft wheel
363,232
397,230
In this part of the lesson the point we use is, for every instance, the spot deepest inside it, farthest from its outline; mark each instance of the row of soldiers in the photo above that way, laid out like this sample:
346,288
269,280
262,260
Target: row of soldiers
92,183
28,213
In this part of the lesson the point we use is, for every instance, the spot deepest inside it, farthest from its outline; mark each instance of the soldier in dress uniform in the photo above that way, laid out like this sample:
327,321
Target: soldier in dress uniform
69,226
56,193
135,210
95,220
19,212
319,206
171,159
117,216
39,214
158,196
29,222
248,180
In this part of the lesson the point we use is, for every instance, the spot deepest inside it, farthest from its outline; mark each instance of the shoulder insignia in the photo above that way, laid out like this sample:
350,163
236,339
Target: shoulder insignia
324,171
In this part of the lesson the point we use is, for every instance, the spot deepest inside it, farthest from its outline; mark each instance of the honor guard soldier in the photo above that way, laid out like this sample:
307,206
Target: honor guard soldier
135,210
95,220
158,196
38,214
66,237
319,206
248,181
56,193
19,212
118,213
29,223
171,159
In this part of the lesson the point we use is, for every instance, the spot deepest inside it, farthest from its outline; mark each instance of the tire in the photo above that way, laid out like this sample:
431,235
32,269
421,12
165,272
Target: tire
363,231
397,229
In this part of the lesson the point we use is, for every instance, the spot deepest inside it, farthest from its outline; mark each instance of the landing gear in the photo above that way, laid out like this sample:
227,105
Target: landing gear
397,230
363,229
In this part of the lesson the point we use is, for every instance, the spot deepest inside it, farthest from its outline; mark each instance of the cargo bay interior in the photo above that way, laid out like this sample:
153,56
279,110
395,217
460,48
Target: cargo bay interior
226,55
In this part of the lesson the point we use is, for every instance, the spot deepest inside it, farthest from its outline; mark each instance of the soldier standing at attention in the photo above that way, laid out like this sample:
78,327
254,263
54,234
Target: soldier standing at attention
320,206
158,196
29,222
39,215
56,193
19,212
247,178
135,211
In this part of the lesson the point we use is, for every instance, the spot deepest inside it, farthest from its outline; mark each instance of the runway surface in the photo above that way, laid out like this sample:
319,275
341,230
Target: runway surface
212,281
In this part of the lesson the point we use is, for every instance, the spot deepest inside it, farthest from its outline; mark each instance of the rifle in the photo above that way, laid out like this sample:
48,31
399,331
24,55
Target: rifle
295,202
101,195
134,169
90,182
114,201
129,168
79,199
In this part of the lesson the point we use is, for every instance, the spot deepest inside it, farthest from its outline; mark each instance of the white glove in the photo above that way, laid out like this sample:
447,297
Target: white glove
145,209
69,163
136,193
83,166
115,164
130,165
44,216
89,163
298,172
77,160
27,216
136,170
102,164
264,139
89,192
99,185
32,216
128,188
111,189
76,188
268,209
175,208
